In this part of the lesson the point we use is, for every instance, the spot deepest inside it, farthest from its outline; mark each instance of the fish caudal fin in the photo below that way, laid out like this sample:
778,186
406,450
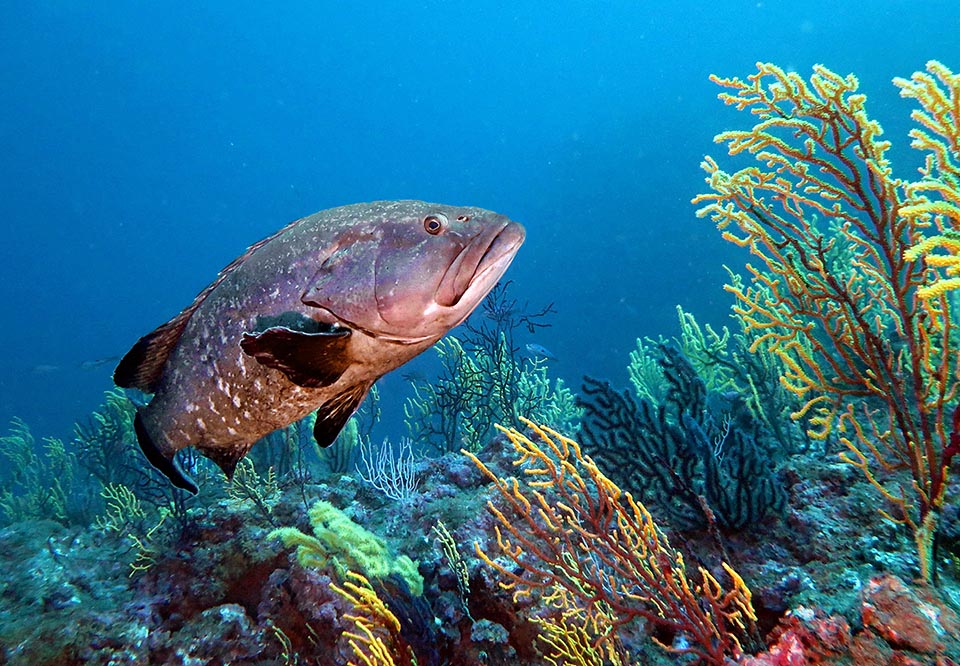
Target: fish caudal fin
166,466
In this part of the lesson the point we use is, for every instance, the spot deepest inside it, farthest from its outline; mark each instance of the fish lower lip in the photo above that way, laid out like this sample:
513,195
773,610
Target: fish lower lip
503,245
496,257
473,267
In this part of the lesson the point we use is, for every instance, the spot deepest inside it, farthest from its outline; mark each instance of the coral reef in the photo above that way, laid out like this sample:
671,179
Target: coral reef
698,524
35,485
222,589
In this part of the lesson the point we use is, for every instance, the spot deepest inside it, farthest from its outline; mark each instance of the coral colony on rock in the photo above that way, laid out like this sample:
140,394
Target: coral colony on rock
779,494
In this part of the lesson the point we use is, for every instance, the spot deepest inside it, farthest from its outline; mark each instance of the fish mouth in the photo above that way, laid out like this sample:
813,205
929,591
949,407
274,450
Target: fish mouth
479,265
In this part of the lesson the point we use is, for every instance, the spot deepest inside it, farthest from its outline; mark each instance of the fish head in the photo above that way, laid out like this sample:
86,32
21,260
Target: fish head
415,271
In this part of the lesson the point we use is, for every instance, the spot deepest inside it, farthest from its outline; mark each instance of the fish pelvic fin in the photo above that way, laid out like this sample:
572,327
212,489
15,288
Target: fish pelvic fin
311,360
164,464
335,413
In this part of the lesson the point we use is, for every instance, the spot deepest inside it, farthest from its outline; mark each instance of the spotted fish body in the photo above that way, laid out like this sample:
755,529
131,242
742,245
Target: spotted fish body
306,321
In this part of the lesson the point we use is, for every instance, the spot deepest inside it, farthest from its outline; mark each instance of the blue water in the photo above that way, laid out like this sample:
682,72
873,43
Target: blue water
144,145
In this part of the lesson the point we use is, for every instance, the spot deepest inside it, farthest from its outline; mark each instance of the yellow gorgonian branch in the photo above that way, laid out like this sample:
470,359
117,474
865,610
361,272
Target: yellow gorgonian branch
570,533
375,637
840,294
949,263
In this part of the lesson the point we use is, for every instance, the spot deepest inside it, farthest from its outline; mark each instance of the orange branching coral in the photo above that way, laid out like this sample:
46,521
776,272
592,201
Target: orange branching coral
570,532
863,329
375,639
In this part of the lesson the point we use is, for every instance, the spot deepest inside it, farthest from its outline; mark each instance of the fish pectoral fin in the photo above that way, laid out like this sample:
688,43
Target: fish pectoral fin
311,360
167,466
335,413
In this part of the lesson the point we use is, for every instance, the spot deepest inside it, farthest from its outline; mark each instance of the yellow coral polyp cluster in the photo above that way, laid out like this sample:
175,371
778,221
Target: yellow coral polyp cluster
949,263
344,545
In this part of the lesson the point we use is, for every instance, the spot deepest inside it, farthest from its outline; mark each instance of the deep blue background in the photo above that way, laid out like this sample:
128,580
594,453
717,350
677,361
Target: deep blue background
143,145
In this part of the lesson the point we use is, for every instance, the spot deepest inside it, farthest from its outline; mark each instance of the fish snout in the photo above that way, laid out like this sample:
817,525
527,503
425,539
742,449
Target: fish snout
481,263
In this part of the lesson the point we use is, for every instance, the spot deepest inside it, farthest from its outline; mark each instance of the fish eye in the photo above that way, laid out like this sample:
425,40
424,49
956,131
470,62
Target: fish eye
434,224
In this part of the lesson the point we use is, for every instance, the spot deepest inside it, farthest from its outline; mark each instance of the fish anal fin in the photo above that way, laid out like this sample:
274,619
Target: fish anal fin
335,413
310,360
167,466
226,458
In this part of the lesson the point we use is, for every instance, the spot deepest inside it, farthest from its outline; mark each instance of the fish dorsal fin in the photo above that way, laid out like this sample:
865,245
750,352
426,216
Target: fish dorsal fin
142,366
310,360
335,413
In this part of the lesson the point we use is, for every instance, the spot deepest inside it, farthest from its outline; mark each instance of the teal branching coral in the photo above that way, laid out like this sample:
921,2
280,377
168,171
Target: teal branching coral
340,543
247,485
644,371
126,518
124,511
727,364
480,387
485,379
707,351
36,485
107,443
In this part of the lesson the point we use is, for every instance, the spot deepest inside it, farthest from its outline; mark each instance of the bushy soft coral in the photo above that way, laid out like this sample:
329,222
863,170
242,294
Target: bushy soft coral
36,486
343,544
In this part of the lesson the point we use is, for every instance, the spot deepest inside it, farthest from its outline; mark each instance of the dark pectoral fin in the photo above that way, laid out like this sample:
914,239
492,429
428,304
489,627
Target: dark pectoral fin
166,466
311,360
335,413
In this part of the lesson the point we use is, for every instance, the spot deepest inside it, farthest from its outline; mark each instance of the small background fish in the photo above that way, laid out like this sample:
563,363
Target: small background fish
534,350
